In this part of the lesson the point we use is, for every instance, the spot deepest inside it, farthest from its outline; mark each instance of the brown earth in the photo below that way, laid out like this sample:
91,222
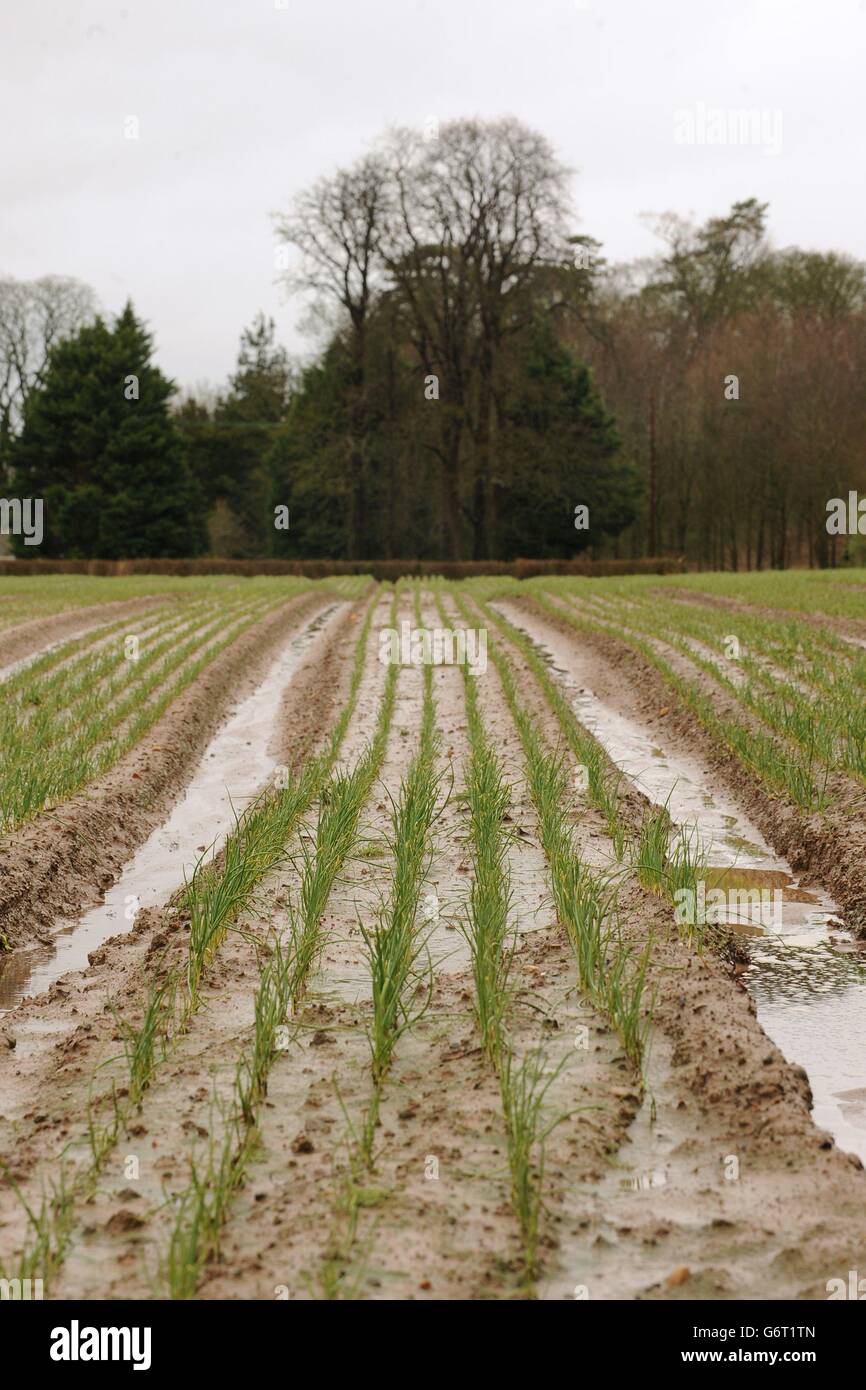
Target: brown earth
826,846
843,627
436,1220
60,862
728,1090
28,639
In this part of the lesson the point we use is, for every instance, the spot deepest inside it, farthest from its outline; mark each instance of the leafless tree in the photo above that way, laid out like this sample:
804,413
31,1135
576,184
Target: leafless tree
34,316
477,211
336,226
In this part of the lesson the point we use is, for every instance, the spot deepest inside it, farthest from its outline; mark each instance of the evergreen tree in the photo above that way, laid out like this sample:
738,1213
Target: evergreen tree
308,462
559,450
244,426
99,445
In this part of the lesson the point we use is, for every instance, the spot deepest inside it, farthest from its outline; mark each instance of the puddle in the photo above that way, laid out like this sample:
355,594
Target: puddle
807,974
592,1260
235,767
642,1182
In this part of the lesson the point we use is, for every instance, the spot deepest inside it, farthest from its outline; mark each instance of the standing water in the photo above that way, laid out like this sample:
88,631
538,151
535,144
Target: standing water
806,973
234,769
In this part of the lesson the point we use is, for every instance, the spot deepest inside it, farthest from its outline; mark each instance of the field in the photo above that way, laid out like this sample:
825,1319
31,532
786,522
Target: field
438,940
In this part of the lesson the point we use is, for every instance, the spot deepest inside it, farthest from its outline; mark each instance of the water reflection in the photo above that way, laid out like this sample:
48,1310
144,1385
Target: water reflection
233,770
806,974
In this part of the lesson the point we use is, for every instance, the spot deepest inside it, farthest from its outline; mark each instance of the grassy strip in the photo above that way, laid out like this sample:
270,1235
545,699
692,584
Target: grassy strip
52,666
336,830
820,707
217,894
523,1082
602,779
42,766
487,930
829,727
52,699
216,904
27,597
584,900
392,946
781,768
523,1086
823,592
202,1208
392,942
662,864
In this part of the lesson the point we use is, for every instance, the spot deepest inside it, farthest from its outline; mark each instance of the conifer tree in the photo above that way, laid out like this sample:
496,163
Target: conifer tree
99,445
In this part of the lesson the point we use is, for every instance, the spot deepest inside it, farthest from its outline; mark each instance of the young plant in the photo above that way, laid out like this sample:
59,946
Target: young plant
524,1084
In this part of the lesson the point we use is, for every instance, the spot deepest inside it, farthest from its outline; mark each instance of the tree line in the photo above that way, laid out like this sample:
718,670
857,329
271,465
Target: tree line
735,372
486,386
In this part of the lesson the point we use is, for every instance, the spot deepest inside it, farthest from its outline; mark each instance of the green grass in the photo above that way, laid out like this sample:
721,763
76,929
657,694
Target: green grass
585,901
837,593
68,722
336,833
51,1231
216,895
392,941
807,688
602,779
202,1208
487,929
24,597
220,890
524,1085
486,926
782,765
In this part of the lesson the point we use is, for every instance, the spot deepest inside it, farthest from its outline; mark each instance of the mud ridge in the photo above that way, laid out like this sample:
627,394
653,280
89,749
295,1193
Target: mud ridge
697,598
30,639
60,862
54,1043
729,1092
828,846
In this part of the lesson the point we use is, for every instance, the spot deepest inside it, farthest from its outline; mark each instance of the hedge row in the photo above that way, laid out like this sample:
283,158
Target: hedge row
320,569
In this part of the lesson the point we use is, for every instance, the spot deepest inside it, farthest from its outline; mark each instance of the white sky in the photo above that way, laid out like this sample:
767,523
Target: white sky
241,103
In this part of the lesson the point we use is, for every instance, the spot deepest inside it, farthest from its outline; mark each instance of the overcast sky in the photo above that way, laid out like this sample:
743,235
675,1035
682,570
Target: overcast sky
240,103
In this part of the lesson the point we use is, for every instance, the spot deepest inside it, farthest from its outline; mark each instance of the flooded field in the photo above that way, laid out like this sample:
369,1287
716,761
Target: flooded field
332,974
806,973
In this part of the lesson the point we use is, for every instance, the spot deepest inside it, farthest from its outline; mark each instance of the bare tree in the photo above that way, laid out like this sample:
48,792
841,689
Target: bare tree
34,316
426,252
336,226
478,211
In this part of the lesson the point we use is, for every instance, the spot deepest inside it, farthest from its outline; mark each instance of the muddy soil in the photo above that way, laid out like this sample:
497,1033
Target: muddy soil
704,1178
854,629
57,1049
442,1154
27,640
827,846
722,1092
57,864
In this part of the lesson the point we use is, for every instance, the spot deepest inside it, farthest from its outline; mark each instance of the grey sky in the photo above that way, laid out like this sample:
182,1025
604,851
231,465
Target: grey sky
241,103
